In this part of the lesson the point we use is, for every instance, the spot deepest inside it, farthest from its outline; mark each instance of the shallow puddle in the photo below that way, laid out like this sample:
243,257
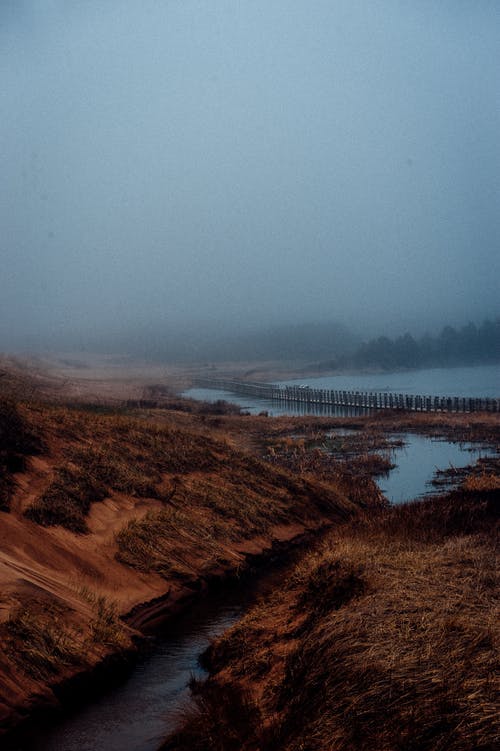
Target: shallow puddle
417,462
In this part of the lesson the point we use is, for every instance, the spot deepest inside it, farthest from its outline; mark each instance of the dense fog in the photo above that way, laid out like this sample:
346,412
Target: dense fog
205,170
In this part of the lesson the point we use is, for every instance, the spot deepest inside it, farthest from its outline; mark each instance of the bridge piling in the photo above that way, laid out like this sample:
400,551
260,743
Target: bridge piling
353,400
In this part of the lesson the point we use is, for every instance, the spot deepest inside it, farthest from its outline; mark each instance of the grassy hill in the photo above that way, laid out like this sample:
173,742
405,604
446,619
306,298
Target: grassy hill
104,511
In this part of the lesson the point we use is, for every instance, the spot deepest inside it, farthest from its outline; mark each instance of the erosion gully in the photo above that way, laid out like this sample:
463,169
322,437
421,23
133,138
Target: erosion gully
137,703
146,706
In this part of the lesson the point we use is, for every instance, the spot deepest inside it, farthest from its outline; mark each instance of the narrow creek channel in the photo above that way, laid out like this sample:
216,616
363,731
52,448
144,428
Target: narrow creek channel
138,714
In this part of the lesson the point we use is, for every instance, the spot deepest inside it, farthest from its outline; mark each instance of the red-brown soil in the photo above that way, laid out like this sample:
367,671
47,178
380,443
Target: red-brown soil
115,513
113,517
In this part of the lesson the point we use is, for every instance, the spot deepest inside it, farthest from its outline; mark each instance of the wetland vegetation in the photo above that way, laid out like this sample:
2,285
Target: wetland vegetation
120,517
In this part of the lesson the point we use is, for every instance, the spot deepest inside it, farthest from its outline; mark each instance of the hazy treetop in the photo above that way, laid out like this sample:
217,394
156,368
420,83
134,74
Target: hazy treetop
232,163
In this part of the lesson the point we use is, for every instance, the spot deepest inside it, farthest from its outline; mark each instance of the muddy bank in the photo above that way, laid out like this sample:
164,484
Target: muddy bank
148,617
46,709
115,511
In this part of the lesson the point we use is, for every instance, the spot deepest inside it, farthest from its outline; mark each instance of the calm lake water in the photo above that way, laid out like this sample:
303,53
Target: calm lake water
247,403
479,381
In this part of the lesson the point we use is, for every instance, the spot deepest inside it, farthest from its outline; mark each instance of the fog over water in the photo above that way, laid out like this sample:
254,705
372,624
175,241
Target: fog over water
222,165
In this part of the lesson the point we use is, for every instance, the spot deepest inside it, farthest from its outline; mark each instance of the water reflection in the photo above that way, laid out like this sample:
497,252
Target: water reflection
274,408
417,462
140,713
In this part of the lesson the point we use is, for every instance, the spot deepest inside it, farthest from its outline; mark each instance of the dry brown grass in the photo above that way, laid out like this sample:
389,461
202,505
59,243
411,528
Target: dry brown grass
483,482
104,452
386,637
209,513
351,474
44,639
43,646
365,621
18,440
39,640
105,627
67,500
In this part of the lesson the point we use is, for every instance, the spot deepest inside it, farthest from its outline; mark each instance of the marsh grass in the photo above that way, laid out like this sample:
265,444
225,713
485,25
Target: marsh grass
40,641
175,542
106,453
106,627
114,469
208,513
169,542
18,440
67,500
216,707
43,641
384,637
212,494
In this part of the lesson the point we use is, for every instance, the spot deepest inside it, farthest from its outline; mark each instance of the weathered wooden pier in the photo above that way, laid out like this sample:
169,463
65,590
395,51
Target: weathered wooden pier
356,400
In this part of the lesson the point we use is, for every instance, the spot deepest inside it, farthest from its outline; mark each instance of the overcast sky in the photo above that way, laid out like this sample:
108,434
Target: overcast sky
245,162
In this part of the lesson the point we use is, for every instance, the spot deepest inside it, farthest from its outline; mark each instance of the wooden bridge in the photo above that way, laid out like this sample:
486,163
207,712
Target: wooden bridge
353,400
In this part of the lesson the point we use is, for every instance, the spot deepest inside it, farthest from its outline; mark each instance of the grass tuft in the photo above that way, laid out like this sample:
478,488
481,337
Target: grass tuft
219,706
18,440
67,500
39,640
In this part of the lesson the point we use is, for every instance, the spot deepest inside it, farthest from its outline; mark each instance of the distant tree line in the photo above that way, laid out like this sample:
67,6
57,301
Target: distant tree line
468,345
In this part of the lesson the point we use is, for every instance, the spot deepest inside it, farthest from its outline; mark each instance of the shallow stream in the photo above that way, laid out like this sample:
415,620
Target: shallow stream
141,712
